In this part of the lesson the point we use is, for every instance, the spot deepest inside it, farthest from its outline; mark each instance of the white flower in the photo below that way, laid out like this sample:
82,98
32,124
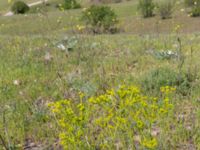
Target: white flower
16,82
182,10
61,46
169,52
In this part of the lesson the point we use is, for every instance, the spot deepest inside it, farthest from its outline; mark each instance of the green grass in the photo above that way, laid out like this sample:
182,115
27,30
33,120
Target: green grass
129,21
118,59
29,81
4,5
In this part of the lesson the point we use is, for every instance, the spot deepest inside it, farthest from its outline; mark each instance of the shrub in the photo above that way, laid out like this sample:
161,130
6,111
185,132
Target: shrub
105,1
195,7
71,4
165,8
191,2
166,77
110,1
117,119
195,12
146,7
19,7
117,1
100,18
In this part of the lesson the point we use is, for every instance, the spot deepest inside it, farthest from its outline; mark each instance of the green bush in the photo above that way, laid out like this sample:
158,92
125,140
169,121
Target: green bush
165,8
100,18
160,77
191,2
195,12
71,4
19,7
110,1
146,7
105,1
195,7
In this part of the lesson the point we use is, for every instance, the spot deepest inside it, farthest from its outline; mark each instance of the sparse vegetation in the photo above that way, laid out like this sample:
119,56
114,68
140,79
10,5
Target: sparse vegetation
62,87
165,8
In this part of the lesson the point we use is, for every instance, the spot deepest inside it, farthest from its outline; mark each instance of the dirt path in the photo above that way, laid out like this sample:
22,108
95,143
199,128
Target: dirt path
10,13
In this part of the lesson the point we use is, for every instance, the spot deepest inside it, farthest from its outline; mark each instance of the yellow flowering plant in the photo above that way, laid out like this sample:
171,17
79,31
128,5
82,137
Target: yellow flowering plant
112,119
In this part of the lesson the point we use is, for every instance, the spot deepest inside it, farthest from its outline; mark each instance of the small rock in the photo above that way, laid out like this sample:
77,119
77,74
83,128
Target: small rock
48,57
16,82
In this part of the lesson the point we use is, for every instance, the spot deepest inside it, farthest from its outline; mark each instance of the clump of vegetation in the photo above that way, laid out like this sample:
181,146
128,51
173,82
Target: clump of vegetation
196,10
117,1
195,7
105,1
118,119
146,7
166,77
110,1
71,4
165,54
19,7
165,8
190,2
100,18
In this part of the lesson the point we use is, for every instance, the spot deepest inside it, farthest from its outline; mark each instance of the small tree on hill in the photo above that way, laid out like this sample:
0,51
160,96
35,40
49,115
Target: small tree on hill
19,7
100,18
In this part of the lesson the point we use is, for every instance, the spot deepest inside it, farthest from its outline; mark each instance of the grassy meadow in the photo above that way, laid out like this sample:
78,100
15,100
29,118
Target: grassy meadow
148,53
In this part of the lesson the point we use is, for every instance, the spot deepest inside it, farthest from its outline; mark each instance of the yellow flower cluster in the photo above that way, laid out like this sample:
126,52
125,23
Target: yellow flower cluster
167,89
118,115
150,143
177,28
80,27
